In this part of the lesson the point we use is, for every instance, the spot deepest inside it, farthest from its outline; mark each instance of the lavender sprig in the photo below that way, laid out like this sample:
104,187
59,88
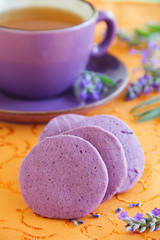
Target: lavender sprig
140,223
146,41
150,72
140,37
90,86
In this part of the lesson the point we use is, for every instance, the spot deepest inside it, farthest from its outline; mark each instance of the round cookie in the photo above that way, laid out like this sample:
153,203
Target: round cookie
63,177
60,124
133,150
111,152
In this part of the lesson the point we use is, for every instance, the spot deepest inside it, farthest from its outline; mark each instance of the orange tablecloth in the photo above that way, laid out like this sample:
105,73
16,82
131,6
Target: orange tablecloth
18,222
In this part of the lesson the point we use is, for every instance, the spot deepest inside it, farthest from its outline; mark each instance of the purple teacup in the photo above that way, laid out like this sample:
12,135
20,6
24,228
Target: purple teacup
43,63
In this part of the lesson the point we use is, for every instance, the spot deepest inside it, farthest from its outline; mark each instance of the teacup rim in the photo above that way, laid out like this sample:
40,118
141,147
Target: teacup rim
84,23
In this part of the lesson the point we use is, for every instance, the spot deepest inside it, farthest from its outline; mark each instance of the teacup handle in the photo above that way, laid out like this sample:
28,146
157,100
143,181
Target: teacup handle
109,19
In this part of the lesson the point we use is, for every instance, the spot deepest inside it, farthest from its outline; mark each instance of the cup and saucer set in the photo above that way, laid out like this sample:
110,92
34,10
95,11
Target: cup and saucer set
44,50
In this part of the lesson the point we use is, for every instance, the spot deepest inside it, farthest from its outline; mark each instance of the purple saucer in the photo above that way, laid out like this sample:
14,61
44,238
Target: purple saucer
21,110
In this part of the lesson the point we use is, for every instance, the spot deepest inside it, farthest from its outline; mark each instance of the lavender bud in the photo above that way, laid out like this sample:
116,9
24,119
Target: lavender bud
143,229
91,88
137,89
149,79
80,221
151,224
95,215
131,205
131,95
143,220
96,79
128,228
75,222
145,56
155,85
154,220
157,228
99,85
135,227
96,95
147,89
149,215
152,228
118,210
153,45
142,81
87,76
83,95
85,83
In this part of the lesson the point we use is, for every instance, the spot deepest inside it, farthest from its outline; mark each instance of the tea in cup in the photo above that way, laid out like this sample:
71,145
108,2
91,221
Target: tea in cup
45,45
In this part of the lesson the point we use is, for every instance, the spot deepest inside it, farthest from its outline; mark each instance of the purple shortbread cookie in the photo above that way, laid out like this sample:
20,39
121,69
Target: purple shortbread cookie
133,150
60,124
112,153
63,177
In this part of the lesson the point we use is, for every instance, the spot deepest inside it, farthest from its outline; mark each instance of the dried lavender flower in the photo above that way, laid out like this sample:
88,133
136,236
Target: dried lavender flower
146,41
138,217
131,205
124,216
149,81
138,204
139,223
95,215
90,86
156,212
74,222
118,210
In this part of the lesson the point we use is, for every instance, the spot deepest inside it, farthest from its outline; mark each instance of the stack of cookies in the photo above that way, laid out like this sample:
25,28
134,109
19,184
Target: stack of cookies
78,163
